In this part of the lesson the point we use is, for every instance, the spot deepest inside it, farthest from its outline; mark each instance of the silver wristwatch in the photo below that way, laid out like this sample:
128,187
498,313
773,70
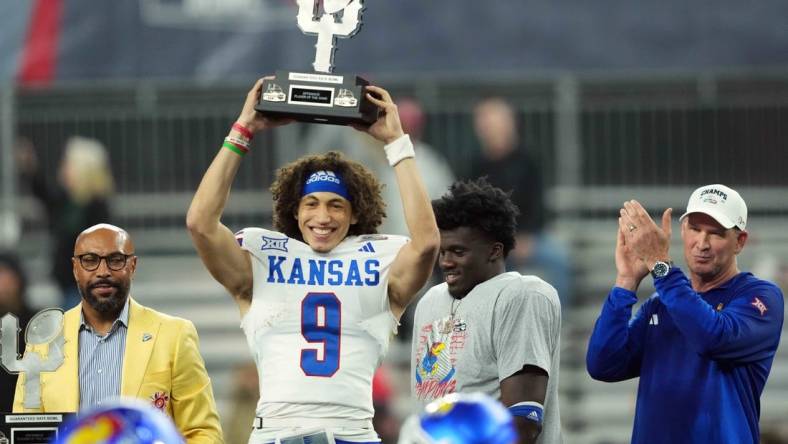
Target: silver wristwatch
661,269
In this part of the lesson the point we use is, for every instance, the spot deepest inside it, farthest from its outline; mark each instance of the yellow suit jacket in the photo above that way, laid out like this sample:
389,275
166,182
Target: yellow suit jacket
161,365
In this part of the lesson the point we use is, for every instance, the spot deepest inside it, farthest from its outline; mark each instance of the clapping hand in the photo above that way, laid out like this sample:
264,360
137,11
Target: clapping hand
647,241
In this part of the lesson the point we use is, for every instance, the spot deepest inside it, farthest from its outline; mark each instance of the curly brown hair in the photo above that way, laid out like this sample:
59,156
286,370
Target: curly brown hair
364,189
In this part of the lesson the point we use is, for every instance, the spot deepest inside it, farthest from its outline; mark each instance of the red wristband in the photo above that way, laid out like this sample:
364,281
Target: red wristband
243,130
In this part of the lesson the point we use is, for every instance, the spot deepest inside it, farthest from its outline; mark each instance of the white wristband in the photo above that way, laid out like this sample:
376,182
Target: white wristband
399,150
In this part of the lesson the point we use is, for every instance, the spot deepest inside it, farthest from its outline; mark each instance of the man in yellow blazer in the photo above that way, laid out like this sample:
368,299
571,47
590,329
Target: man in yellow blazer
117,347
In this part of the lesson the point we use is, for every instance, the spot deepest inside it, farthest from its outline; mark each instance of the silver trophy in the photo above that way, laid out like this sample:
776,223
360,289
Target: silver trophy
45,328
320,96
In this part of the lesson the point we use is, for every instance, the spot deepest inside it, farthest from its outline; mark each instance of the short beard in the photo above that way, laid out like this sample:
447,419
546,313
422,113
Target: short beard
110,307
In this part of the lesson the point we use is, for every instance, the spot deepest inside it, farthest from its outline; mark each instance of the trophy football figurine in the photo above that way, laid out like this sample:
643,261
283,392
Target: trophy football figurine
320,96
44,329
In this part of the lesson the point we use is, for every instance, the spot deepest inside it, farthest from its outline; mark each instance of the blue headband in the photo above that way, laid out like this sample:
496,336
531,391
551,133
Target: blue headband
327,181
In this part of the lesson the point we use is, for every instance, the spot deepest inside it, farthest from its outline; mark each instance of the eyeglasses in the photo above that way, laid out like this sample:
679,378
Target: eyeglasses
115,261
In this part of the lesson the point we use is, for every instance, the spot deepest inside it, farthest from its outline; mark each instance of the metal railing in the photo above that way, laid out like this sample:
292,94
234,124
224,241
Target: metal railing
678,130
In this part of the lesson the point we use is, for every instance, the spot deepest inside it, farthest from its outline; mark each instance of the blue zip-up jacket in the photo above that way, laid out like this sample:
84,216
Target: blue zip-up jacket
702,358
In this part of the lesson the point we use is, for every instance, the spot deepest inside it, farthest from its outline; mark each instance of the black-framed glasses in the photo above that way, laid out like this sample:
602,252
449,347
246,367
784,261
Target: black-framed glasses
115,261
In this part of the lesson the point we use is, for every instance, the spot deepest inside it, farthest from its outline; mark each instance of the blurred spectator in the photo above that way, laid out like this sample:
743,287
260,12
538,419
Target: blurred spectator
774,433
13,299
78,200
508,165
243,404
385,421
436,172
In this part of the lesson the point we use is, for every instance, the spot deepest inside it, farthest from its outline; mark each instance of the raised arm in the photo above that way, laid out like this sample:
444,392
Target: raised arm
414,262
30,172
215,243
616,344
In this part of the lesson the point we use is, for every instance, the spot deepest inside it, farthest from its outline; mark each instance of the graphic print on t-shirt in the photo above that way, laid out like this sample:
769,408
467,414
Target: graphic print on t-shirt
438,345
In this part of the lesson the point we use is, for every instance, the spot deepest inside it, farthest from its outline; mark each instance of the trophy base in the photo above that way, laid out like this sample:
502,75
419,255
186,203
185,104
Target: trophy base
317,98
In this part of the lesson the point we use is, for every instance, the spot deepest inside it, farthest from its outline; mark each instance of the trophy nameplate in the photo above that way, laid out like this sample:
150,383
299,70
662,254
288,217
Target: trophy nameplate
30,428
320,96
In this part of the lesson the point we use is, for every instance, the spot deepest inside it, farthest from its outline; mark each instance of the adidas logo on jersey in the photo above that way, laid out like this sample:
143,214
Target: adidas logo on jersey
654,320
367,248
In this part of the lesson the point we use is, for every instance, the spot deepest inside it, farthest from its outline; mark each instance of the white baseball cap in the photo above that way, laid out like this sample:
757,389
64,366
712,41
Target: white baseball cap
722,203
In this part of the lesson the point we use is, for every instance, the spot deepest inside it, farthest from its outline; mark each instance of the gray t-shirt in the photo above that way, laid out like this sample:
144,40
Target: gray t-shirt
503,324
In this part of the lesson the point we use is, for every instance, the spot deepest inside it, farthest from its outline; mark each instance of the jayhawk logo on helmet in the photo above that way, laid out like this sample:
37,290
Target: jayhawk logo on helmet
461,419
120,422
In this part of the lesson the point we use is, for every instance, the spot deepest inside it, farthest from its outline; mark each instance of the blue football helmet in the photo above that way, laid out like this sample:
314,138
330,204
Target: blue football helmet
120,422
461,419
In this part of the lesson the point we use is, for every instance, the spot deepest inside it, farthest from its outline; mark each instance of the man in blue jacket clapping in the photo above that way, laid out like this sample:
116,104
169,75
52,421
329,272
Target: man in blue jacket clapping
704,343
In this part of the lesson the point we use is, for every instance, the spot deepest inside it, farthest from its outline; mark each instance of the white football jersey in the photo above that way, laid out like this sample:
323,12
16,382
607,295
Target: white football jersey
319,323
